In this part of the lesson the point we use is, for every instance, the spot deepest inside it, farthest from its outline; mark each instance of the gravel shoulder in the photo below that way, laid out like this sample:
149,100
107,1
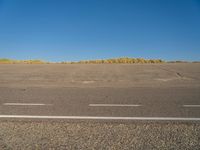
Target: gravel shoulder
98,135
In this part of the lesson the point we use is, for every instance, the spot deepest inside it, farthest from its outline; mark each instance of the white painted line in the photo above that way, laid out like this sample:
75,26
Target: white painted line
191,105
101,118
113,105
25,104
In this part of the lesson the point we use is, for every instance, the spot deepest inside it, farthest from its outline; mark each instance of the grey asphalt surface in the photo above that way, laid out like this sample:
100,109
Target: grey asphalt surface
155,102
161,90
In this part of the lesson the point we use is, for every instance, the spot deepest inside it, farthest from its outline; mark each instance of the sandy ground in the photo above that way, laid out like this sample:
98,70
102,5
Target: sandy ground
105,75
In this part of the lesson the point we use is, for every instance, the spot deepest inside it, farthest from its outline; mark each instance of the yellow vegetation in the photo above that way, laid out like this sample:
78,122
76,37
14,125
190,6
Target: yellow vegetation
123,60
10,61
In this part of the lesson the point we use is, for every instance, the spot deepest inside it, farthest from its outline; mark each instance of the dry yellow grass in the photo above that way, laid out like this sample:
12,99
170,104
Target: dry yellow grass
123,60
10,61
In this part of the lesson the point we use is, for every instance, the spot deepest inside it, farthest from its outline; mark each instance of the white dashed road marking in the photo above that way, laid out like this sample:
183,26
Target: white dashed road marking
25,104
113,105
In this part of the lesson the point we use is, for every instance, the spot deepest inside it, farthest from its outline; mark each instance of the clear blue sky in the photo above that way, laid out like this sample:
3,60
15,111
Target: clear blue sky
65,30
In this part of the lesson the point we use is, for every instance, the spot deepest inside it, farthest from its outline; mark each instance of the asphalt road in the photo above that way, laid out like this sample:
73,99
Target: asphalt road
105,97
101,102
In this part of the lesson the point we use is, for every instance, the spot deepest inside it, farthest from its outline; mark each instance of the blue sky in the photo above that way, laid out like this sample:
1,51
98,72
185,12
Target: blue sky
70,30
